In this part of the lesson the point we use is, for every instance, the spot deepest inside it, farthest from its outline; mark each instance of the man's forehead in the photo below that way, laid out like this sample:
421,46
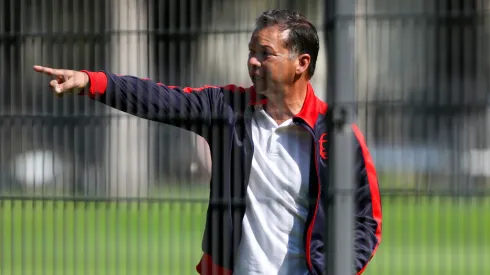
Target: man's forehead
268,36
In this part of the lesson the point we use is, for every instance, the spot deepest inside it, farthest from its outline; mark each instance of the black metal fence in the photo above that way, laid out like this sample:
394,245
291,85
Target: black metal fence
422,97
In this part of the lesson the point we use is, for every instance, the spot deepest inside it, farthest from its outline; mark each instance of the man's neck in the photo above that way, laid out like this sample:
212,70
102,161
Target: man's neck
288,104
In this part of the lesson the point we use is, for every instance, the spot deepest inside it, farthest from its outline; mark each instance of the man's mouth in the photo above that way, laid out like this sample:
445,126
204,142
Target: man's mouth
256,78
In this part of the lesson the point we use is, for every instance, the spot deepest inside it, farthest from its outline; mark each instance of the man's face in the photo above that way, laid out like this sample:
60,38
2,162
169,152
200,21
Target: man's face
270,64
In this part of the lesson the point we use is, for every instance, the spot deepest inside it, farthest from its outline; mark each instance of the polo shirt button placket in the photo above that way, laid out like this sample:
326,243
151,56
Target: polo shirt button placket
273,143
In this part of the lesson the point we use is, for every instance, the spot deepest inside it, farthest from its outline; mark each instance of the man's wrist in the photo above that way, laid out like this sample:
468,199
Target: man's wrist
97,82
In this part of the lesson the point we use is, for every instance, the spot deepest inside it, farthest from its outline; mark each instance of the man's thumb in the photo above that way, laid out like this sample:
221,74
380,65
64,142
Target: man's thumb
55,86
74,84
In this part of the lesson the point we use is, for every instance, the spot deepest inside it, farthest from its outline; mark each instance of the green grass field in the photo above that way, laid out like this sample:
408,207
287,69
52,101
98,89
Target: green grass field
425,236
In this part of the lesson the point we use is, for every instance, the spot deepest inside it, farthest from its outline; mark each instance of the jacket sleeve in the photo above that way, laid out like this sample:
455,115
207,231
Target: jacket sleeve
368,206
189,108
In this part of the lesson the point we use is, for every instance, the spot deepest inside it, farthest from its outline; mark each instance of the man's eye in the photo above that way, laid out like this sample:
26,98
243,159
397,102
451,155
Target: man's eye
263,53
259,54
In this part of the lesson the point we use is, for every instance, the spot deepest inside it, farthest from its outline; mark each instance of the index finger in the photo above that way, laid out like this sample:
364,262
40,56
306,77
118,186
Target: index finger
50,71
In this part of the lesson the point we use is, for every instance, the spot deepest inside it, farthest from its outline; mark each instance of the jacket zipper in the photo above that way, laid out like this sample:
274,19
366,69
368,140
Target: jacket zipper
312,222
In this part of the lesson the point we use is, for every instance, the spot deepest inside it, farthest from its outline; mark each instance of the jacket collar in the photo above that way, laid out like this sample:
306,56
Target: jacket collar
310,111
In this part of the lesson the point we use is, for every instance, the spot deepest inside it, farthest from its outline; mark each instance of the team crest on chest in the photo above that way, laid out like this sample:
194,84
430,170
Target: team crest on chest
322,148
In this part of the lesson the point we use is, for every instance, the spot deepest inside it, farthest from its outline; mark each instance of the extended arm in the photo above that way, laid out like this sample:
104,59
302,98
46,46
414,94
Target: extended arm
151,100
187,108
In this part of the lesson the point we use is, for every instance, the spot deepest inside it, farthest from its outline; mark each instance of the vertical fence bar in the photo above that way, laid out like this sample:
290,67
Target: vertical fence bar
129,55
340,40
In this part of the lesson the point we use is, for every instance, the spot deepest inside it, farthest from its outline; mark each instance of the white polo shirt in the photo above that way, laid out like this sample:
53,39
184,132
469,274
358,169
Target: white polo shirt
277,199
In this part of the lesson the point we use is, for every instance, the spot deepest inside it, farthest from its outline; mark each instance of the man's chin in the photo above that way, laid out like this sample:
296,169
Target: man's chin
261,92
260,89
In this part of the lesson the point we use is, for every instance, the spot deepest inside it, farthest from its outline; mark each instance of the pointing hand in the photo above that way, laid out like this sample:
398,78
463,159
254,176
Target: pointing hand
65,81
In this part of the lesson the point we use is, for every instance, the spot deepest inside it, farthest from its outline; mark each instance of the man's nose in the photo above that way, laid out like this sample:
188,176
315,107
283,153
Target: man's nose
254,62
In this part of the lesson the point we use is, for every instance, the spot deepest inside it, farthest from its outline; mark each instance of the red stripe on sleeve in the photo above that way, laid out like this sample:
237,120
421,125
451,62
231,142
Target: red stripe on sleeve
373,187
188,89
230,88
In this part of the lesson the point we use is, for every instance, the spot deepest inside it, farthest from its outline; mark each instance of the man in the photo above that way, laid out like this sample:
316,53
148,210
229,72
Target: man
267,143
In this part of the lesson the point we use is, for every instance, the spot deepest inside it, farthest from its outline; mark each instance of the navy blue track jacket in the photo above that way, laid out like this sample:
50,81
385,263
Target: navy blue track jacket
224,117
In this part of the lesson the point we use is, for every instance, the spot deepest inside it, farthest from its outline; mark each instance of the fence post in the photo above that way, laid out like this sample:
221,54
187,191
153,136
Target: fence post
128,149
339,206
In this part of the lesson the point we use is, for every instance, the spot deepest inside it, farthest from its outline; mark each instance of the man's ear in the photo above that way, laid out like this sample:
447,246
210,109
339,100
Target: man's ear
303,63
